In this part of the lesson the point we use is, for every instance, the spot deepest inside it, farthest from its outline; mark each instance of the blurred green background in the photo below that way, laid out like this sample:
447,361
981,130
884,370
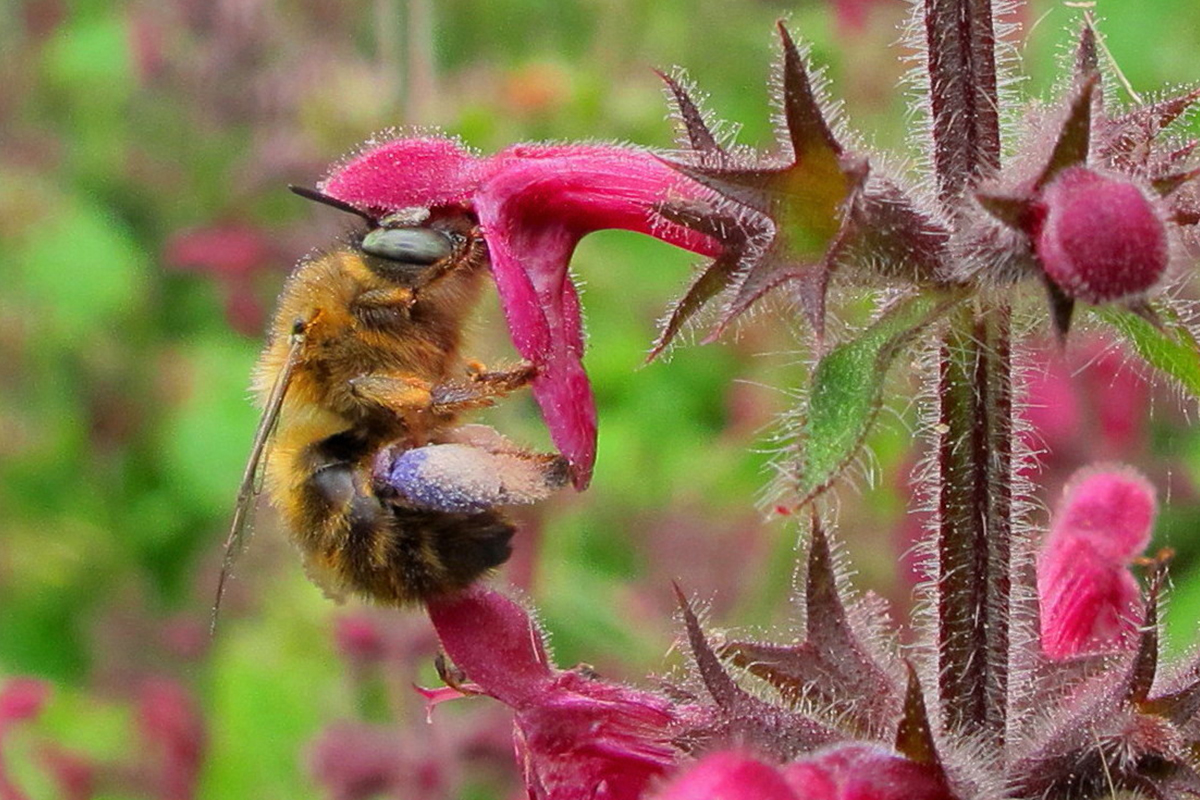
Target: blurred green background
145,228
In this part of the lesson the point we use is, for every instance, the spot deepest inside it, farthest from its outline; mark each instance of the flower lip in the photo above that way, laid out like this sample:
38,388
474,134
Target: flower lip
1090,602
571,728
534,203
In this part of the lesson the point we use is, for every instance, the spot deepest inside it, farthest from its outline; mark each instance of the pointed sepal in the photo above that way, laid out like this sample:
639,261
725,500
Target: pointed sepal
1074,138
832,668
1062,308
1145,663
740,718
716,277
700,137
808,131
914,736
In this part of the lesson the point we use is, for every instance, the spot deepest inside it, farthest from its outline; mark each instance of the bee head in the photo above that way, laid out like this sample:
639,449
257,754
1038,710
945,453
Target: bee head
406,247
404,250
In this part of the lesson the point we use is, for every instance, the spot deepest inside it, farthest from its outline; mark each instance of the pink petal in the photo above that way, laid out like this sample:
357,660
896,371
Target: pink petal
534,203
405,173
576,736
864,772
731,776
588,739
1089,600
493,640
535,206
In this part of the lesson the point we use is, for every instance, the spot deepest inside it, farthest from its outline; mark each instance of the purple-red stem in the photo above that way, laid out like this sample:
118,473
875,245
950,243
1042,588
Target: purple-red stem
975,525
975,395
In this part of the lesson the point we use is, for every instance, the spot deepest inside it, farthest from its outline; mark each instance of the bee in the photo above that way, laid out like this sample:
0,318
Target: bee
362,385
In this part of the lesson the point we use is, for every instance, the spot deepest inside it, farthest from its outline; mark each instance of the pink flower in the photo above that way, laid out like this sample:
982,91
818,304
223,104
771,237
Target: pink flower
358,761
576,736
21,699
359,639
534,203
1089,600
173,738
728,776
842,772
232,254
1100,239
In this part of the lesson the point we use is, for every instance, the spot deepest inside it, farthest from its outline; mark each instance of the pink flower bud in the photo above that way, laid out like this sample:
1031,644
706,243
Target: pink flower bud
1089,600
1100,239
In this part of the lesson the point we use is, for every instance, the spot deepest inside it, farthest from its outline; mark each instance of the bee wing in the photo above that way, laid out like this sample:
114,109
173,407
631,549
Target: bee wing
251,484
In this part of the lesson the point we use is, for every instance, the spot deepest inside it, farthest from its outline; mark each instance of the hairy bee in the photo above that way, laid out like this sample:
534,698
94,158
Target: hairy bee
362,384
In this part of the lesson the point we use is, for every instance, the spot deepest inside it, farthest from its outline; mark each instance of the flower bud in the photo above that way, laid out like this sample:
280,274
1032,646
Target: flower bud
1100,239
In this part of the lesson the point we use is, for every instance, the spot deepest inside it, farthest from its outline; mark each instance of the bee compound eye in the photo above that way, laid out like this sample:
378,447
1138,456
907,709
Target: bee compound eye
421,246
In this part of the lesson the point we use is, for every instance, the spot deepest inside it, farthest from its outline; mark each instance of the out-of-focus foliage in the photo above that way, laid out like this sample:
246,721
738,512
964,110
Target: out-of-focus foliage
145,229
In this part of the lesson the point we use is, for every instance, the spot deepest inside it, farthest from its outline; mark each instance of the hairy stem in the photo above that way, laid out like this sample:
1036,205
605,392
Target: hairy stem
961,46
974,394
975,522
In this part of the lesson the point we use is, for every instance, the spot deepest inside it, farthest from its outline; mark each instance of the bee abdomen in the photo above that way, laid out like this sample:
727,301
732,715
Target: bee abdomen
394,554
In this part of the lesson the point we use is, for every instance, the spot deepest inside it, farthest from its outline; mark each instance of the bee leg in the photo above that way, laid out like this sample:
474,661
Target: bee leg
397,297
399,393
481,389
503,380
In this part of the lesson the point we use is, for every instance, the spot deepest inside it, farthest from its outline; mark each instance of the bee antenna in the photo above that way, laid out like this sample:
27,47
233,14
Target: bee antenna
333,202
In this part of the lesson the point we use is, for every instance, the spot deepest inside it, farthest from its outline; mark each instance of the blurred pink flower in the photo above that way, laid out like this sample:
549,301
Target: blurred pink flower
1089,600
576,736
74,775
21,699
357,761
359,639
232,254
534,203
173,738
1085,405
226,250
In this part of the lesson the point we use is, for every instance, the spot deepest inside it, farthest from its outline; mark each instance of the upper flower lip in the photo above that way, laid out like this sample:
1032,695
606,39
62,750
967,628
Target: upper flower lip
534,203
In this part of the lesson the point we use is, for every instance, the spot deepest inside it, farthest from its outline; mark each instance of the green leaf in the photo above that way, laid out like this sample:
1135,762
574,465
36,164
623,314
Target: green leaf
1171,349
847,388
